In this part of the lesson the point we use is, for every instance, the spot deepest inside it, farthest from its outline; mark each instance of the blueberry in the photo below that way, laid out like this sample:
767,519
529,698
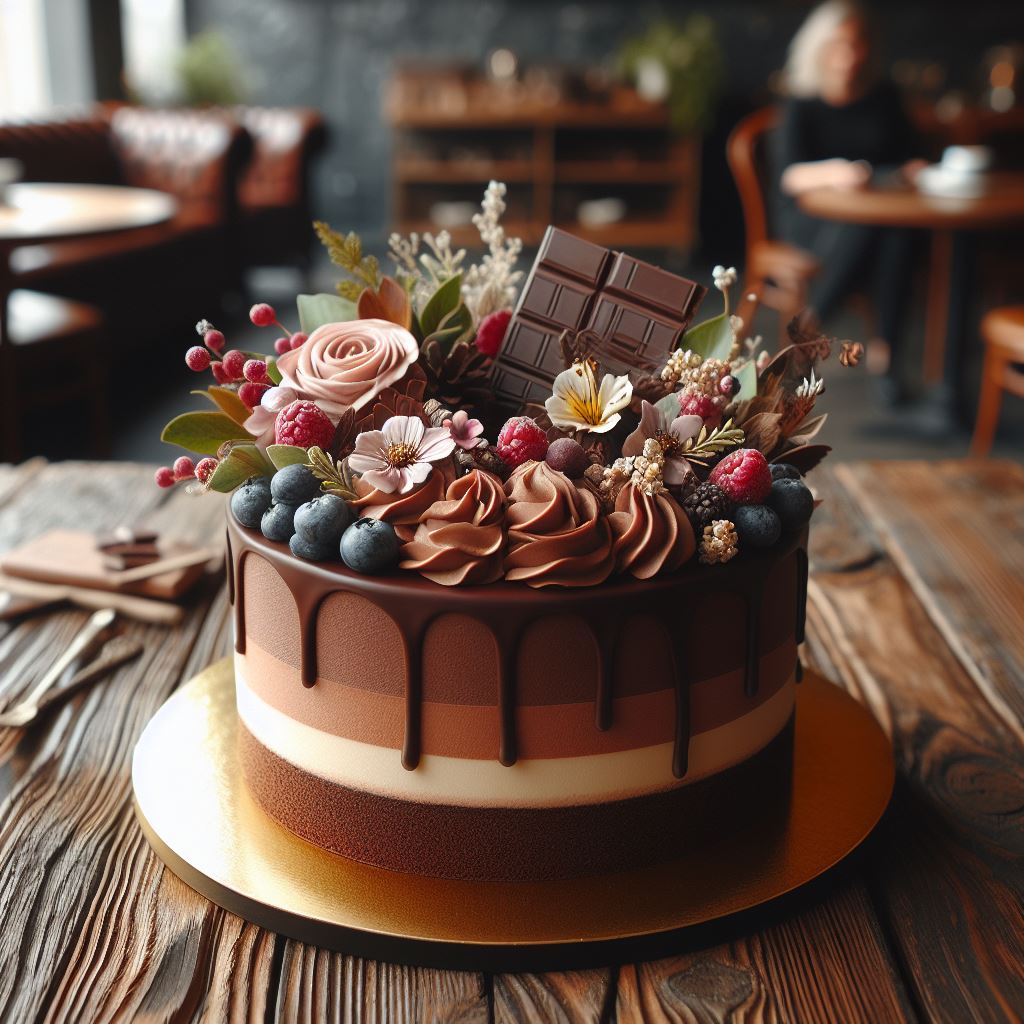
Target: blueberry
278,522
250,501
322,521
757,526
311,552
793,502
784,471
294,485
370,546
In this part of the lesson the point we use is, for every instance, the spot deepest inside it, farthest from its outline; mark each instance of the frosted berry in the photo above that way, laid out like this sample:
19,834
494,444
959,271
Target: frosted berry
303,424
757,526
567,456
744,476
250,501
278,522
491,332
729,385
793,501
370,546
703,406
294,485
282,345
214,340
521,440
784,471
219,374
311,552
322,521
255,370
197,358
184,468
164,477
233,362
297,340
252,394
262,314
205,468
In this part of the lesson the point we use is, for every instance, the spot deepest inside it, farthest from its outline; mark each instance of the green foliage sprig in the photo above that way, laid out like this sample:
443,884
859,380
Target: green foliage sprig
346,251
335,476
707,444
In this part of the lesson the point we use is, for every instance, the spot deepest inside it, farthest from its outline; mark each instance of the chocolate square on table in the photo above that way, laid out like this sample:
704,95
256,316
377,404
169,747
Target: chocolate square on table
639,312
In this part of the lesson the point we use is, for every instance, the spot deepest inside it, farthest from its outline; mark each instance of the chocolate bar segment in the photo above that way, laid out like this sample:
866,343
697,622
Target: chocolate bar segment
638,311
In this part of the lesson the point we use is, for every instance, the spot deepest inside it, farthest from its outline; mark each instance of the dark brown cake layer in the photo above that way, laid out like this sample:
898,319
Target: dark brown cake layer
479,843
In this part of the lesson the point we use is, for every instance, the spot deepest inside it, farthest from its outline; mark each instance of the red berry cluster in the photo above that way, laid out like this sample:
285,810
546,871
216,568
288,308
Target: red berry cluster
185,469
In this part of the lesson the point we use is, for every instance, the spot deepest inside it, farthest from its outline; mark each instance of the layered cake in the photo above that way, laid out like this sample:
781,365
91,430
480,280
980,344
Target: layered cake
572,650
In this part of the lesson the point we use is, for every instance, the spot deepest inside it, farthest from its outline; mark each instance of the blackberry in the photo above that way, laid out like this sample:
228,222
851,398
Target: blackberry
706,504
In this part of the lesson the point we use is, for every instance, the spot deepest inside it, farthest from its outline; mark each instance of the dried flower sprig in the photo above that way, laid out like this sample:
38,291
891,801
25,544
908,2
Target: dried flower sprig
492,283
335,476
707,444
346,251
420,272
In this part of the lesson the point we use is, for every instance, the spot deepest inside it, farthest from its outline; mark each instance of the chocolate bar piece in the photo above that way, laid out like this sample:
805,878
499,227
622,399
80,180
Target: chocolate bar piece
638,311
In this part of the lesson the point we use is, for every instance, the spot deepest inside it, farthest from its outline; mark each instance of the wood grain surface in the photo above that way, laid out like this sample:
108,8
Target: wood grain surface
916,603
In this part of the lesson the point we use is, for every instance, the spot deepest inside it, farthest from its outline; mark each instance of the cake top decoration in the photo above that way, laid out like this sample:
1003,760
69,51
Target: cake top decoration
625,440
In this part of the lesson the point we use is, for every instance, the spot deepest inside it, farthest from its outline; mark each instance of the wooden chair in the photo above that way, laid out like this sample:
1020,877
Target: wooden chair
778,272
1002,330
54,353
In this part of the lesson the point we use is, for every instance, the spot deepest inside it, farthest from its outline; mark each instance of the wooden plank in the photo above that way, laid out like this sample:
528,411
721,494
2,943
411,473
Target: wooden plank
319,986
947,874
568,997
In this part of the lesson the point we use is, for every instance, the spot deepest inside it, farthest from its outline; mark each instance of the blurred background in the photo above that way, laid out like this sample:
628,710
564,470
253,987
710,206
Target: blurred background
867,162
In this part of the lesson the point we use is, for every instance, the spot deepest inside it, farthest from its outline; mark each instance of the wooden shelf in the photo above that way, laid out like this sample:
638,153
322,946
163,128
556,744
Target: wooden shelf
458,171
615,172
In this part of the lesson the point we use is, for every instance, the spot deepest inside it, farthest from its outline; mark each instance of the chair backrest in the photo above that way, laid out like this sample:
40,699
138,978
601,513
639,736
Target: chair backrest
745,153
67,147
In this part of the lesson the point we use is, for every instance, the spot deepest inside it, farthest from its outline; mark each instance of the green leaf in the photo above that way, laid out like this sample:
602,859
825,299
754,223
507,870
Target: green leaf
282,455
712,339
242,462
324,308
228,402
452,327
416,328
440,304
203,432
273,372
747,376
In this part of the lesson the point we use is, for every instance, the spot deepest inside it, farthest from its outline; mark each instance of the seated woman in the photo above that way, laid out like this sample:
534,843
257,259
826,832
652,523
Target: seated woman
841,125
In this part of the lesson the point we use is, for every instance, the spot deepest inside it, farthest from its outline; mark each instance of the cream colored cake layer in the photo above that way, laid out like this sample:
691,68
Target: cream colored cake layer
537,782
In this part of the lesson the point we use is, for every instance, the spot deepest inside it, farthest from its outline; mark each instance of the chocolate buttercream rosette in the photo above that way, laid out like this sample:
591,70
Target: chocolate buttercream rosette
403,511
557,534
652,533
461,539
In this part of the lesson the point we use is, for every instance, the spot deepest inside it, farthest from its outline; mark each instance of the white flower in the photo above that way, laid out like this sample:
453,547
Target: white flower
810,387
724,277
579,403
399,455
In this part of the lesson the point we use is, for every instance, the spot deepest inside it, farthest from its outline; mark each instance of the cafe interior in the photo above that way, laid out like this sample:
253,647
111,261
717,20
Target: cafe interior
859,165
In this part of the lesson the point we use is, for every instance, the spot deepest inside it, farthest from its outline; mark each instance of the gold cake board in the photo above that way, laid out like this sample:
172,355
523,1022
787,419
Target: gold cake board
199,817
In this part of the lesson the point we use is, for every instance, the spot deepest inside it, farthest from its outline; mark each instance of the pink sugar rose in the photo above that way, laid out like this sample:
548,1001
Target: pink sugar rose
344,366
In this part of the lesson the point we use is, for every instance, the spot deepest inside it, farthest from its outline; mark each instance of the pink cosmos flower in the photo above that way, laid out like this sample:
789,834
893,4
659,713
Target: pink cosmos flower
261,423
399,455
465,432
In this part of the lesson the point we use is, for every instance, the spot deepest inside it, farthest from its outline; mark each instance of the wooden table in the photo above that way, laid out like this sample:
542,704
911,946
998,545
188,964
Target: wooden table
1000,205
916,598
36,212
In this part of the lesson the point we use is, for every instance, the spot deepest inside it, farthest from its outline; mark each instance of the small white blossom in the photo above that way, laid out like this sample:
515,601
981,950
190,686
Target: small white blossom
810,387
724,277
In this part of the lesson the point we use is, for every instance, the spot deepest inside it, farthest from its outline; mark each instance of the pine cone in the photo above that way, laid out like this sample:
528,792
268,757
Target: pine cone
459,379
436,412
706,504
392,402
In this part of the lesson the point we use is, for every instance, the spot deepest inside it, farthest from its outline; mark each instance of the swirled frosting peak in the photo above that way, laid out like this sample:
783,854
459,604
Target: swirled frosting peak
402,511
652,533
461,538
557,534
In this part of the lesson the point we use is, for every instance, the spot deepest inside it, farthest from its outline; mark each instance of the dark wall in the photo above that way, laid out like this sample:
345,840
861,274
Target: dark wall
337,56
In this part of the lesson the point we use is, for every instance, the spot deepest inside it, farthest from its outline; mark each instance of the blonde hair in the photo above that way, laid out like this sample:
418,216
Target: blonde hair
801,76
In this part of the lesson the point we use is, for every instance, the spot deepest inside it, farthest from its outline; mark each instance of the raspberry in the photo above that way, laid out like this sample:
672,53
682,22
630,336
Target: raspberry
521,440
214,339
568,457
744,476
164,477
197,358
303,424
262,314
219,374
184,468
703,406
252,394
297,340
205,469
282,345
491,331
255,370
233,362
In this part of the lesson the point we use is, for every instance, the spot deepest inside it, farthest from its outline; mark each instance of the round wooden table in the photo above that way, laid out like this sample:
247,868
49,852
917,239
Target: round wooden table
37,212
998,204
